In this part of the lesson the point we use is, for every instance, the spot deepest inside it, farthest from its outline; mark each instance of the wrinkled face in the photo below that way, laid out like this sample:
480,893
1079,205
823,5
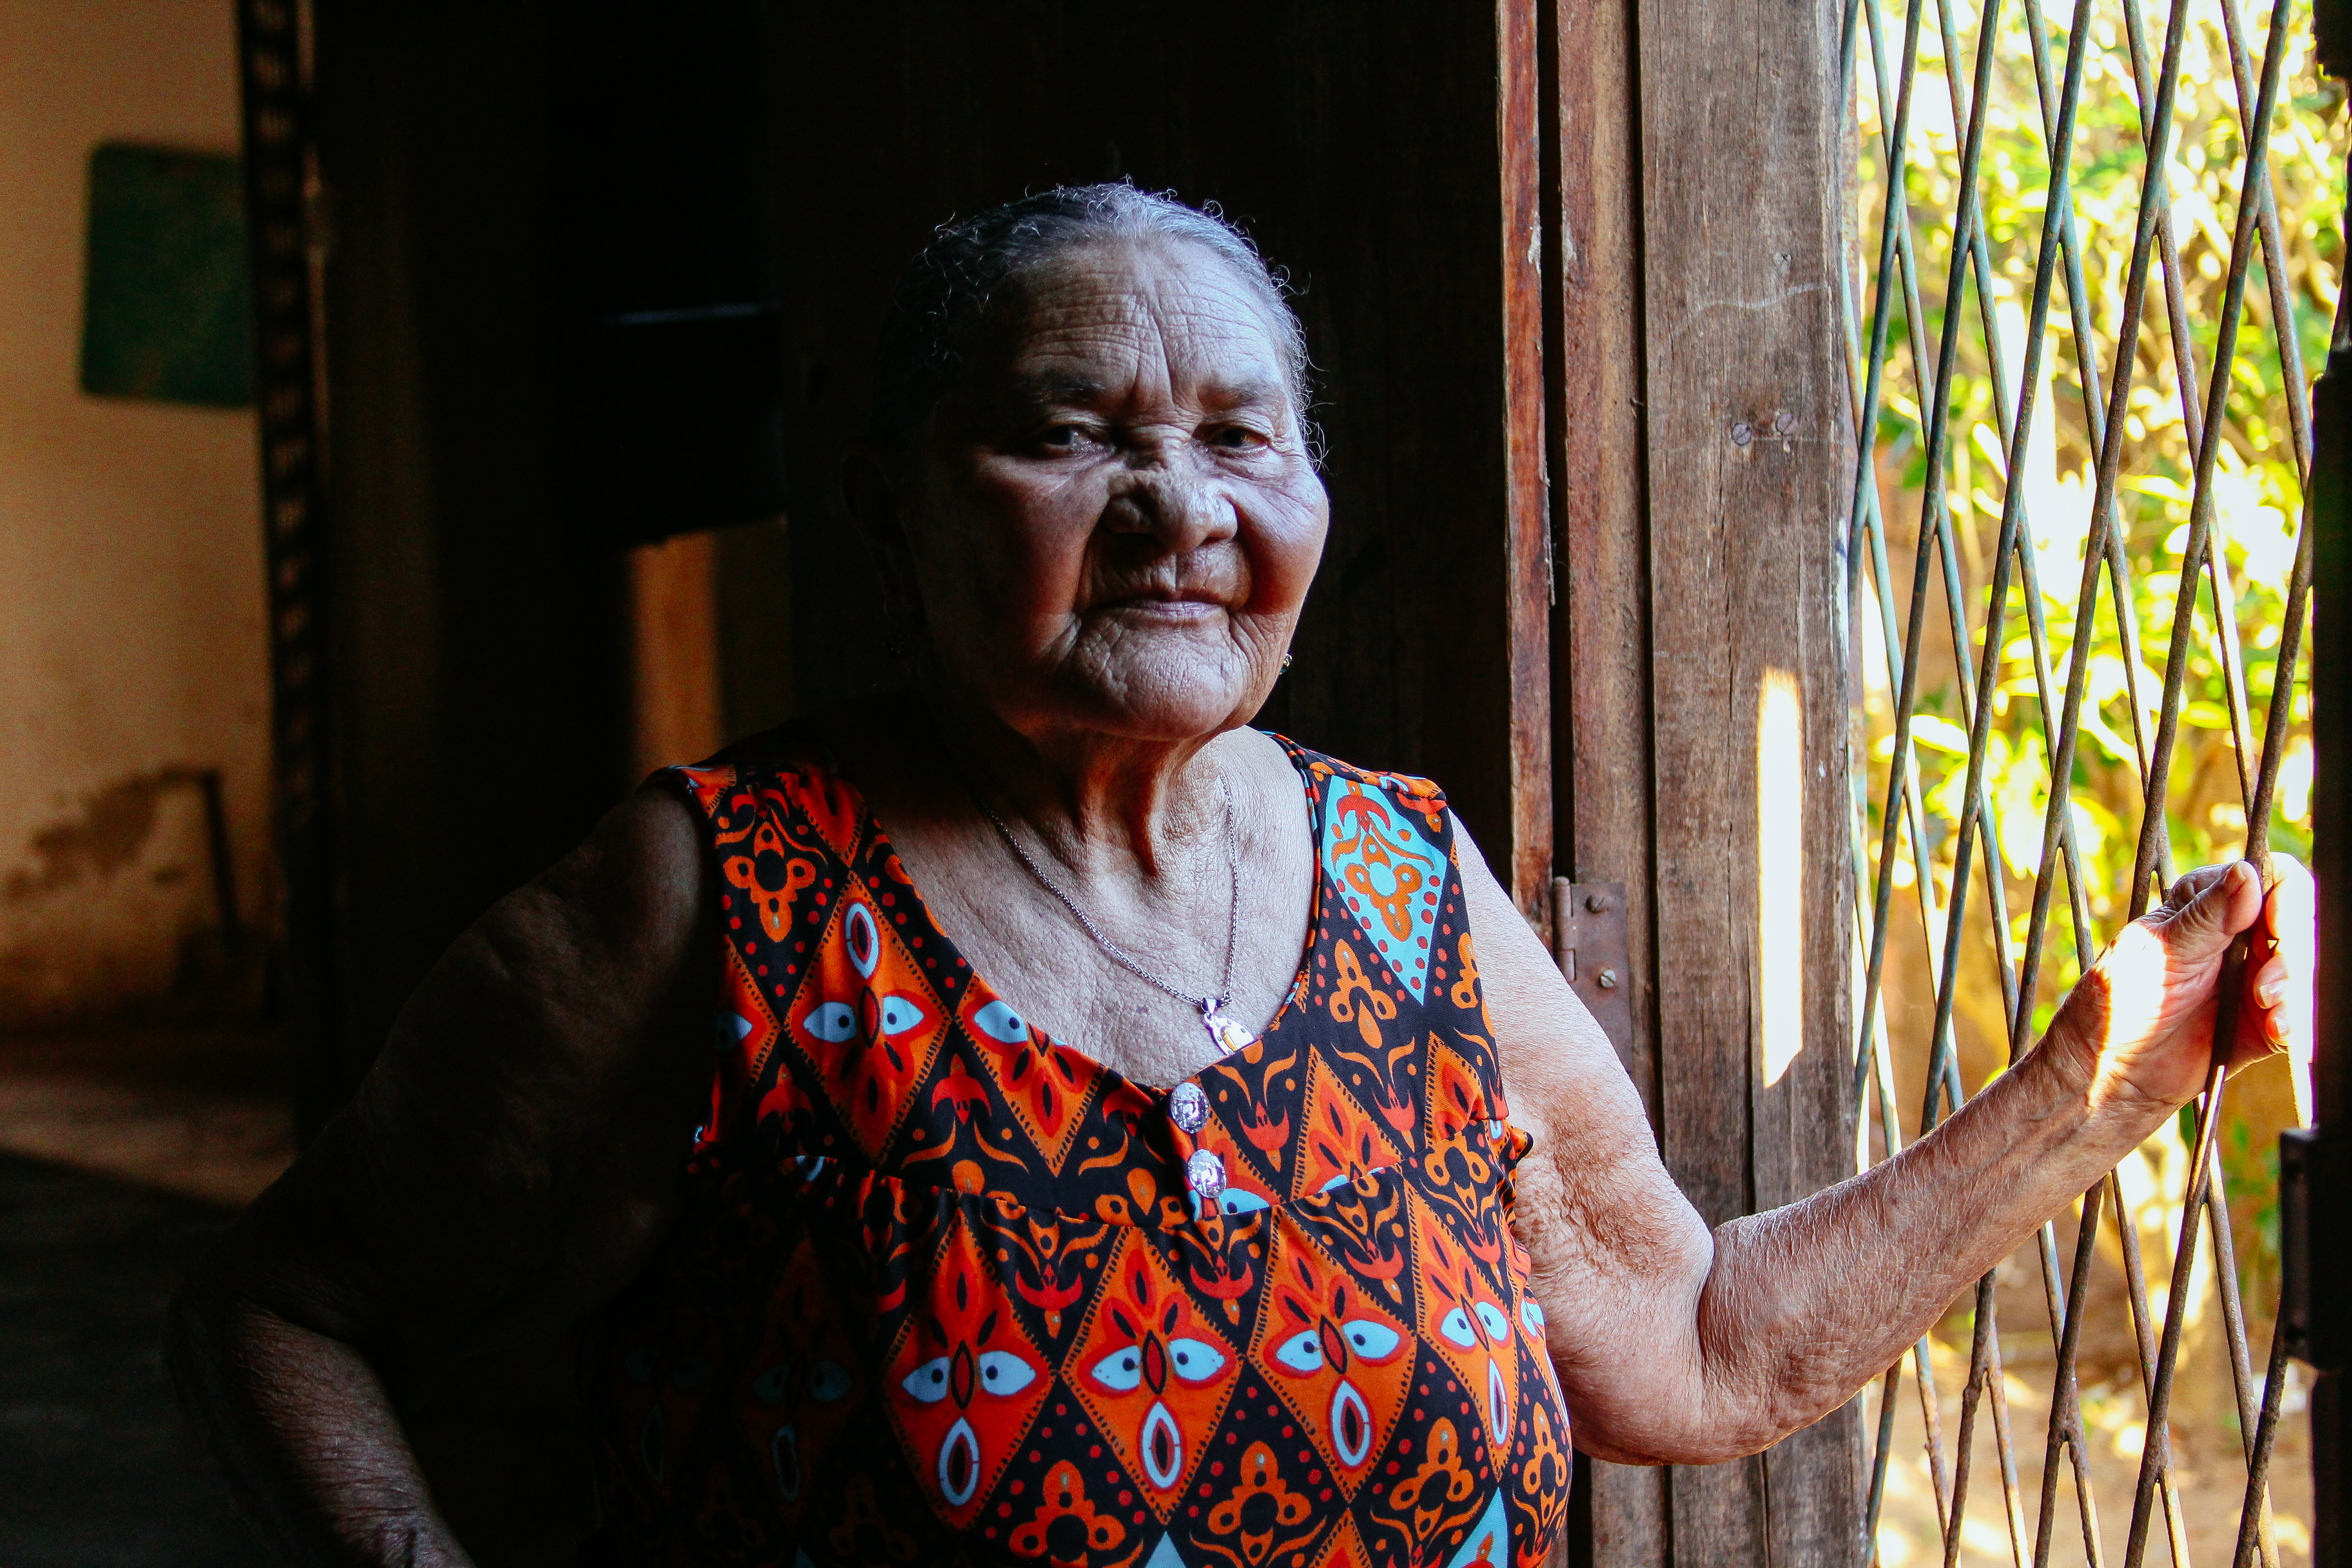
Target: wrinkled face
1111,525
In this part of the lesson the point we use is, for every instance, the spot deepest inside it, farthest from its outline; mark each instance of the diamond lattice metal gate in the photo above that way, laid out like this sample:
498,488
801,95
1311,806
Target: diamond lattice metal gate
2092,250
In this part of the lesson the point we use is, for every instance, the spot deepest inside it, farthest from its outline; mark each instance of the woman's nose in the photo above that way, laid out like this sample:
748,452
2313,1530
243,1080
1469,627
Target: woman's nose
1182,512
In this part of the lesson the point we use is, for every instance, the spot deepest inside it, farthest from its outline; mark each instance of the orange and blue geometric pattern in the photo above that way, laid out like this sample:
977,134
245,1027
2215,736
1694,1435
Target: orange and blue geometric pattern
944,1289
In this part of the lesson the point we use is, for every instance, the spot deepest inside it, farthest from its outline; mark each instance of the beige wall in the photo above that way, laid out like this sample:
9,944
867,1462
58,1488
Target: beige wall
131,621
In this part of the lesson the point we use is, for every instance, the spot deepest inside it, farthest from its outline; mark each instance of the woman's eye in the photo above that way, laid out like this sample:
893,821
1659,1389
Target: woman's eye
1065,438
1237,438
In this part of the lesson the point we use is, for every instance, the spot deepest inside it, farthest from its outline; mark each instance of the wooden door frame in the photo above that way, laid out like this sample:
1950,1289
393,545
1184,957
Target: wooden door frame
1693,170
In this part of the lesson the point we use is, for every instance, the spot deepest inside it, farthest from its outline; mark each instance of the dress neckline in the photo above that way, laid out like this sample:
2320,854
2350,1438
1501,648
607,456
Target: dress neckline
1081,1066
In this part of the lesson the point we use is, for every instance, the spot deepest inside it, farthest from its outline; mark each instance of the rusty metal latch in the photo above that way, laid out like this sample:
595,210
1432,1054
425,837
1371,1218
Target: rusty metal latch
1589,943
2313,1270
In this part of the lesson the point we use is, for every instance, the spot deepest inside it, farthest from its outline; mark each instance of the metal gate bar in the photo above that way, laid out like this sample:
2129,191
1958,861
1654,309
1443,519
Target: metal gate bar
2204,623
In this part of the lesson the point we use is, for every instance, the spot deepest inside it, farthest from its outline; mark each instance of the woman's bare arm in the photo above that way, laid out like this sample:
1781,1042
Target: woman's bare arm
510,1163
1675,1344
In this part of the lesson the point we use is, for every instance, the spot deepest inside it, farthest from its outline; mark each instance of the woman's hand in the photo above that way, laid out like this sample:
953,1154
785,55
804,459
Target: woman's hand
2140,1027
1679,1344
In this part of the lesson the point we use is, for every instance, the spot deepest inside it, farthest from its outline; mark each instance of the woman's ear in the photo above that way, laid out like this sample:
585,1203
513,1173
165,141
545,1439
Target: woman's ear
869,488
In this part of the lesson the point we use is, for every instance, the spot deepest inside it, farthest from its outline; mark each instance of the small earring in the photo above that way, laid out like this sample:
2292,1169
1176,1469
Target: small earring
1286,661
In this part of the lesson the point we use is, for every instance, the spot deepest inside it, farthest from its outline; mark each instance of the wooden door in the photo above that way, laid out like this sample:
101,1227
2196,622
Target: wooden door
1699,438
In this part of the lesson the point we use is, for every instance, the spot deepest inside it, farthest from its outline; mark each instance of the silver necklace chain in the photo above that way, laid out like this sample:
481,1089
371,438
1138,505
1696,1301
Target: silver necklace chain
1212,1007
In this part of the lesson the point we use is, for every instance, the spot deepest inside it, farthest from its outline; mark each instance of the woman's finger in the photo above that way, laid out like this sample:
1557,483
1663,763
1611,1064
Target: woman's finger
2227,903
2283,984
2267,985
2289,909
2186,888
2270,979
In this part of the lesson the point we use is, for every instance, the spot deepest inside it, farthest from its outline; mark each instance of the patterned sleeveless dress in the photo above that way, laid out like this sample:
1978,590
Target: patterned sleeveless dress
944,1289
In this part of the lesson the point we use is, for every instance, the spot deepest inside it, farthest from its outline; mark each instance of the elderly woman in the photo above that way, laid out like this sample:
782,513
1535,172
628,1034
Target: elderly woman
1036,1117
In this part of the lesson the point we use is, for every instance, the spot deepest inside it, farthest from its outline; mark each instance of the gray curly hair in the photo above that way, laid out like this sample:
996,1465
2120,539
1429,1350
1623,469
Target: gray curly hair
946,290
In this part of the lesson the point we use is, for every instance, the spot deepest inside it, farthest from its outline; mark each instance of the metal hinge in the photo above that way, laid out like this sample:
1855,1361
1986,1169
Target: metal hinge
1589,943
2312,1271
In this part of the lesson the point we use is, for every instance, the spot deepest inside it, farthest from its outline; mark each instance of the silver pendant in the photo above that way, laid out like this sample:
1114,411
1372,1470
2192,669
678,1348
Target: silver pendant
1228,1036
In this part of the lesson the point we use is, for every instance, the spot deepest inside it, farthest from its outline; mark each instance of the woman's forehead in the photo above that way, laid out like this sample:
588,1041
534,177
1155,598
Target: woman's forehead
1100,319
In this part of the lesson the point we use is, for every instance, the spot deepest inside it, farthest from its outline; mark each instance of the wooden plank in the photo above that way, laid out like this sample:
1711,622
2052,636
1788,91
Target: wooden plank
674,702
1601,621
1601,631
1528,570
1747,439
1802,1105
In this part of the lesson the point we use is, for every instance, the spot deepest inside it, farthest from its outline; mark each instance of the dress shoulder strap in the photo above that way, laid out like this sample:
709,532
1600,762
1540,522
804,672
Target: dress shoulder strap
784,767
1421,795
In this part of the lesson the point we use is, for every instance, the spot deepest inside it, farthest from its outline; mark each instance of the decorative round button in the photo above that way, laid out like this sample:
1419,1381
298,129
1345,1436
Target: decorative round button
1204,1173
1188,1108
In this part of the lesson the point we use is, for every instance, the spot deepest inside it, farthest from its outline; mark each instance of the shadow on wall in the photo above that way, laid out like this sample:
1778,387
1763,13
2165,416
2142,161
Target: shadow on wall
125,909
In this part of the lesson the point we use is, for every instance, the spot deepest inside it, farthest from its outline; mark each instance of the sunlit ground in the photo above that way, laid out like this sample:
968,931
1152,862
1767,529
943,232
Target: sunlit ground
2211,1477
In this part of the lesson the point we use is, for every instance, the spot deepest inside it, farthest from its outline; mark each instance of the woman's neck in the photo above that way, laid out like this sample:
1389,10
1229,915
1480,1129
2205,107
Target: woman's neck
1098,802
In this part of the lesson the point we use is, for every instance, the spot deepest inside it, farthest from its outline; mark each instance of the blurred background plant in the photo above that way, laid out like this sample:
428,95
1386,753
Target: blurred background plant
2258,507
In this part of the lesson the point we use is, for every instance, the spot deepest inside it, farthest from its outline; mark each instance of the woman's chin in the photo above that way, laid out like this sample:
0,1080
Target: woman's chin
1170,693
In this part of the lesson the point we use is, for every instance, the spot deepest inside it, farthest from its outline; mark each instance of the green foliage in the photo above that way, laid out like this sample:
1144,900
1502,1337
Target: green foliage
2258,495
2256,490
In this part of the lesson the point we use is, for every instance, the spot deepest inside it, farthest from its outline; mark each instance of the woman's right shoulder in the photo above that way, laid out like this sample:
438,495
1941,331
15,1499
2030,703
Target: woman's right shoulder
791,768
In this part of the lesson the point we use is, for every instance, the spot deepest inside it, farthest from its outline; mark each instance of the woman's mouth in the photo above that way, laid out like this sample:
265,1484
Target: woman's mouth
1167,607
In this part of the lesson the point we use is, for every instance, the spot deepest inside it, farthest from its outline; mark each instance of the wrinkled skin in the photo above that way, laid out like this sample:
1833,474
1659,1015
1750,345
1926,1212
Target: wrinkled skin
1099,547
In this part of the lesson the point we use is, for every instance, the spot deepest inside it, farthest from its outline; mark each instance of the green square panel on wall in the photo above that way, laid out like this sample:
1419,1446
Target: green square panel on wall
167,310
